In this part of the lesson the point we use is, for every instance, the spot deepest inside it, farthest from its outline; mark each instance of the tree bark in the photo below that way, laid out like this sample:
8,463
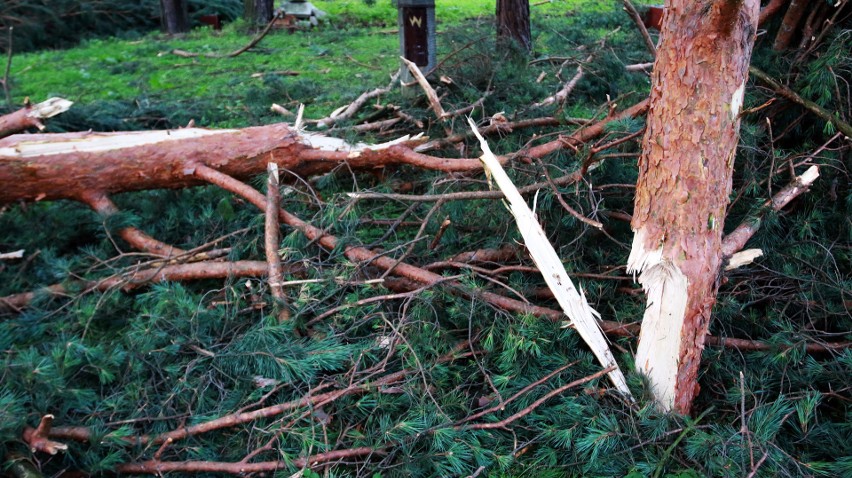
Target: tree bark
174,16
513,22
259,12
684,181
790,24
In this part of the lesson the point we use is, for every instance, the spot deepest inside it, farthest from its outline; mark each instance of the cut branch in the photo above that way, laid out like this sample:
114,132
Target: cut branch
30,116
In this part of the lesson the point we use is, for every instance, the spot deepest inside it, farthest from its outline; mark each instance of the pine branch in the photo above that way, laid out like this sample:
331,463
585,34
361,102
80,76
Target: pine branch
814,108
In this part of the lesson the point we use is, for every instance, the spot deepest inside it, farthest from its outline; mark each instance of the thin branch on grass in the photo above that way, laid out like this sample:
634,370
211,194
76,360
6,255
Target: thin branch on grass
254,41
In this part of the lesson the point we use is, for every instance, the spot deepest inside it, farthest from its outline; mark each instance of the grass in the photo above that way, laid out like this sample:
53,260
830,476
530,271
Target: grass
355,49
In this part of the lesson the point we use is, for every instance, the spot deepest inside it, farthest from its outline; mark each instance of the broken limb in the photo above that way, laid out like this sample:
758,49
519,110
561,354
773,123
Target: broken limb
136,238
348,111
571,299
135,278
737,238
73,165
30,116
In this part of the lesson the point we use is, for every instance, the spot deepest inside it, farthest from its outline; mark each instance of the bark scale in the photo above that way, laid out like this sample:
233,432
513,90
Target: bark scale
513,22
684,182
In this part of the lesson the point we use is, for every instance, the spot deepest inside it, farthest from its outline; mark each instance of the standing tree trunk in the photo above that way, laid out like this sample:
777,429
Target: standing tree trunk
513,22
684,181
174,17
258,12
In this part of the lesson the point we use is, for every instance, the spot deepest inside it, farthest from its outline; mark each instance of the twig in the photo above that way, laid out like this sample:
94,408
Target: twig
561,95
427,88
529,409
502,405
135,278
791,95
156,467
737,238
637,19
251,44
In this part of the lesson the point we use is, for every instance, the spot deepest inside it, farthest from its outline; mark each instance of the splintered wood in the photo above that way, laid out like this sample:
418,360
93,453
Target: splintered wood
583,317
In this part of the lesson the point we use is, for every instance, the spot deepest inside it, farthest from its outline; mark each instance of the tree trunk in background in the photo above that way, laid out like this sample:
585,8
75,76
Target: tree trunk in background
513,22
259,12
174,17
684,181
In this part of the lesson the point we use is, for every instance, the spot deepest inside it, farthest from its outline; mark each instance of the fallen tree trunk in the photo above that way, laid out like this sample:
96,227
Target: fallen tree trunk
79,166
75,165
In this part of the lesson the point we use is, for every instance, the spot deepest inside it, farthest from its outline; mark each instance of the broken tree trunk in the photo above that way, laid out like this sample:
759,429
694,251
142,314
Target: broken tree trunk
77,165
684,180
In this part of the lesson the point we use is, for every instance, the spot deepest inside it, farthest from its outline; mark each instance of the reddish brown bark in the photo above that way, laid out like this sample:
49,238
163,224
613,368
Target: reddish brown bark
769,11
18,121
686,167
72,173
790,24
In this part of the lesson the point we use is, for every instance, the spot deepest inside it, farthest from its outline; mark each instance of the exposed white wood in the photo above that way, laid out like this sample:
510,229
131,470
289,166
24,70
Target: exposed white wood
50,108
12,255
583,317
665,287
328,143
743,258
